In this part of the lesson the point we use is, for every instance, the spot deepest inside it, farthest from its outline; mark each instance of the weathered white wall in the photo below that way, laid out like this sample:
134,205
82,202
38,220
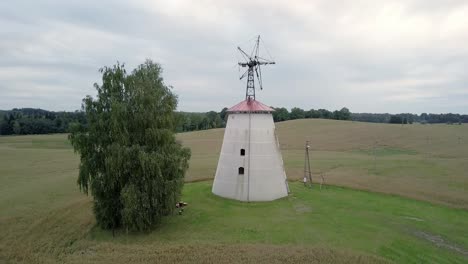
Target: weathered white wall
264,178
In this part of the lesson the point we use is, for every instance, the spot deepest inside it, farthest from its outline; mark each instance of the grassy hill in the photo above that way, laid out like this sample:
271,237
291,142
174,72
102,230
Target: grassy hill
425,162
44,218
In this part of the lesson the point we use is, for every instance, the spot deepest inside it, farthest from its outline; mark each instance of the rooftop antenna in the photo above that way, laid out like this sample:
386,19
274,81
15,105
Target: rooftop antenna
253,62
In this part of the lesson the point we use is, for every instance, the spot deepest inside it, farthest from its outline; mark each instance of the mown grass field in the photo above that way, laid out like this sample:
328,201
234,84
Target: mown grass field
425,162
45,219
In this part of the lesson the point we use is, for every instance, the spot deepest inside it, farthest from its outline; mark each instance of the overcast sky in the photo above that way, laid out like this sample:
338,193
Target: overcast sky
370,56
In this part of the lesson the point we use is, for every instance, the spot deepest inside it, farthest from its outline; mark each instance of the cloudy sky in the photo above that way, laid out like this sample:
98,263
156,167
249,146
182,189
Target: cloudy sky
370,56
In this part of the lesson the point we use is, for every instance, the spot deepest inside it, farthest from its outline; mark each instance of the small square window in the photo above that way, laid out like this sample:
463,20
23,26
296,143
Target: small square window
242,152
241,170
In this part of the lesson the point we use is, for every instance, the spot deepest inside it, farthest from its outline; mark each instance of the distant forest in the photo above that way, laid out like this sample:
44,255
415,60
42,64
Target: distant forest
26,121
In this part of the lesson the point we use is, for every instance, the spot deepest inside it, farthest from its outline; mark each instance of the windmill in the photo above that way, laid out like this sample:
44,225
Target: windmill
250,165
253,63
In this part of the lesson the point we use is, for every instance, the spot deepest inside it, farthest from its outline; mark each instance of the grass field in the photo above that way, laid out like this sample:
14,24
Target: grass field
44,218
425,162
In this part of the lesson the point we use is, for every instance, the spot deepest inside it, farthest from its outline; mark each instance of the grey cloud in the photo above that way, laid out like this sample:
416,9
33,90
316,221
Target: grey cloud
329,54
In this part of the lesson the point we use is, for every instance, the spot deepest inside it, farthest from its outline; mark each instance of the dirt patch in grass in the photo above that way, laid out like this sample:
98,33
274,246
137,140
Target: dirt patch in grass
302,208
413,218
441,242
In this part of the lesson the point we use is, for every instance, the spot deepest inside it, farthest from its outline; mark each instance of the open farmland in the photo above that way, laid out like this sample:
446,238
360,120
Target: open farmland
425,162
45,219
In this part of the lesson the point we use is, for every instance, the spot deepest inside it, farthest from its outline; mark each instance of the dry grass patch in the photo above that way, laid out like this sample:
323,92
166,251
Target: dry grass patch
425,162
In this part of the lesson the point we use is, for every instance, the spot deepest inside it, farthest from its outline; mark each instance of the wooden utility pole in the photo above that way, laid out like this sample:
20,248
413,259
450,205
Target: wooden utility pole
375,157
307,171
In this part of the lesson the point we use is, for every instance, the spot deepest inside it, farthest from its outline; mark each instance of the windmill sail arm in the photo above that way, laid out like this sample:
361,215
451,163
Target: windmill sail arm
265,62
243,75
259,77
247,57
253,62
263,59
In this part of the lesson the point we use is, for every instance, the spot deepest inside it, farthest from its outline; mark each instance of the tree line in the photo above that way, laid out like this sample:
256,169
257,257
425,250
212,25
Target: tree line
191,121
408,118
26,121
282,114
199,121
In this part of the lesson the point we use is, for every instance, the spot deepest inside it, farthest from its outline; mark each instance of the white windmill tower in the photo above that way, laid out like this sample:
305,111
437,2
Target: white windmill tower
250,166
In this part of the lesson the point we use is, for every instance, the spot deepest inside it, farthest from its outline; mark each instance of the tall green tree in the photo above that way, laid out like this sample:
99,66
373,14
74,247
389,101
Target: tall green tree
130,160
297,113
396,119
214,120
280,114
223,114
324,113
345,114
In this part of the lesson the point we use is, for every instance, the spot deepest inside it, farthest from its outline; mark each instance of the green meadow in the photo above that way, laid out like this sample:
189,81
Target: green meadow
390,194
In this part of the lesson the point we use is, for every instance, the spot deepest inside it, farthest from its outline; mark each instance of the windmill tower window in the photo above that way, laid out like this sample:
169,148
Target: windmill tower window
242,152
241,170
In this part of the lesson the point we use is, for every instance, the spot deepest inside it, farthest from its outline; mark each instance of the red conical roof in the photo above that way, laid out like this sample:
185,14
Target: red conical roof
250,106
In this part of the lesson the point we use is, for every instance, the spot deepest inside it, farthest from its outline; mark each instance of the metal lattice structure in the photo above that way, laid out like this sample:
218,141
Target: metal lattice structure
253,63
